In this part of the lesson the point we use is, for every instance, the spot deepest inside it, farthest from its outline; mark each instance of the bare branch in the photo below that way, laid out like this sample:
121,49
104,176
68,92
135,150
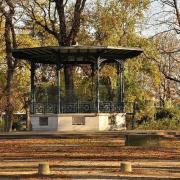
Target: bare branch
53,20
65,3
171,78
45,26
177,11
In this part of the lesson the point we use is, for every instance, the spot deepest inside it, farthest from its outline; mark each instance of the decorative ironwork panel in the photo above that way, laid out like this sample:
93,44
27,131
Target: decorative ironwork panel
69,108
86,107
110,107
105,106
118,107
38,107
43,108
77,107
51,108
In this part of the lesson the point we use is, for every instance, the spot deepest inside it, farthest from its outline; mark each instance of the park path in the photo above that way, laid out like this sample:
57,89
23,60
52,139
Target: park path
90,155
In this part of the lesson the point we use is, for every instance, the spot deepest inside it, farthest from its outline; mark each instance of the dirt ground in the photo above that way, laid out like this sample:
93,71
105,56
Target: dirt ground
86,156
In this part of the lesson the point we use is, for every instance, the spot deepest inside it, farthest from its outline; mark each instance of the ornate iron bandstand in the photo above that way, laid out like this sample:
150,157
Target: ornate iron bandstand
63,111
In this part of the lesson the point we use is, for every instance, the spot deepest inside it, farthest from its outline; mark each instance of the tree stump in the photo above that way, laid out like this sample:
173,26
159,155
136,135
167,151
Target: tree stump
126,167
43,169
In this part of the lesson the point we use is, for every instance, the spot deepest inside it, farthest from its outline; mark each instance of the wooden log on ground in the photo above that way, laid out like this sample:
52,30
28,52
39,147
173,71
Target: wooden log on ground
43,169
126,167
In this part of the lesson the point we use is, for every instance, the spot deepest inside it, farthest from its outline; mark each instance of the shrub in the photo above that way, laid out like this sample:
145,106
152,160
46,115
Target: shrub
146,112
165,119
163,124
16,126
1,125
169,113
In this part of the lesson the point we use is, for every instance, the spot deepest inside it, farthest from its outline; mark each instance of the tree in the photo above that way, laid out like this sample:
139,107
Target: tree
7,10
166,41
171,19
114,22
52,17
174,22
166,16
169,64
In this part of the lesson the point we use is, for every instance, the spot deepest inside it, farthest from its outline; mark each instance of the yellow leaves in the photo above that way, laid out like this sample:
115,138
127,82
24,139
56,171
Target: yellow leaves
149,67
22,77
115,21
110,71
25,41
135,3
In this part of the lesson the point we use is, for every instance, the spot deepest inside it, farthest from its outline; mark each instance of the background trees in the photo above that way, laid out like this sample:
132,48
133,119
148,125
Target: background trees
168,15
111,22
165,21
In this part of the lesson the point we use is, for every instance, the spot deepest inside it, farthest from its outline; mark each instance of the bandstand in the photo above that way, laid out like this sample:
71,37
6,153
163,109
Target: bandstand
65,111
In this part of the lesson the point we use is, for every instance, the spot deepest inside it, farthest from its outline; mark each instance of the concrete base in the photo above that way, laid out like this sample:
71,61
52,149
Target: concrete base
144,140
79,122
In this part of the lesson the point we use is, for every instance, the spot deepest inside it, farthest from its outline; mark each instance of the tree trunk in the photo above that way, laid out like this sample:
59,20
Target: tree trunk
10,42
10,71
66,39
69,85
28,125
9,106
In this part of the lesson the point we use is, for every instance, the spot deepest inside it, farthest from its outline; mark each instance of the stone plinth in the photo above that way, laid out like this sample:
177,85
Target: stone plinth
144,140
78,122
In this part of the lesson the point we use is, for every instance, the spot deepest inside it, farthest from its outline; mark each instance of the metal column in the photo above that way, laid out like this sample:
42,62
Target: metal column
120,71
97,85
59,88
33,67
